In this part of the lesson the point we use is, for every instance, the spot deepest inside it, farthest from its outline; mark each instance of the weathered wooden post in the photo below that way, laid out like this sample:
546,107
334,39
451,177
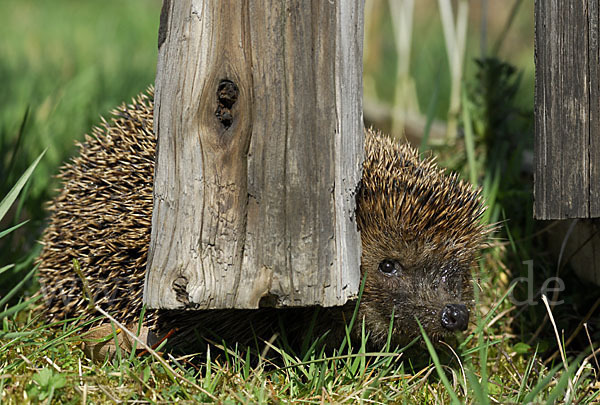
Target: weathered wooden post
567,110
567,128
260,142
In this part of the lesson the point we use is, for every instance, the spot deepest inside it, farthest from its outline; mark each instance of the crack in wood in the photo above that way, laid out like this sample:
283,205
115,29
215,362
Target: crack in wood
164,19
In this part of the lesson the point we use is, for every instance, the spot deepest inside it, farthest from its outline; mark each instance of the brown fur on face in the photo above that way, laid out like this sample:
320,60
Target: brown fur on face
426,225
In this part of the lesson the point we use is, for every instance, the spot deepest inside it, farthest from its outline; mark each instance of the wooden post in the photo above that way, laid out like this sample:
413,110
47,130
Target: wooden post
567,110
260,145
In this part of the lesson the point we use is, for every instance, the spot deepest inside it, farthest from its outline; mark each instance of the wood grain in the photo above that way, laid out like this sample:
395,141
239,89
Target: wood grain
567,110
260,146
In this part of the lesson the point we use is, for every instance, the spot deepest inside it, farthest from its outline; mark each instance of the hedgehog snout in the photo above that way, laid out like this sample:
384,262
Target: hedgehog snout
455,317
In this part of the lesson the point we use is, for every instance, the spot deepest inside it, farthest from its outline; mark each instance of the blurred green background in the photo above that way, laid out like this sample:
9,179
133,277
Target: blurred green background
501,29
65,63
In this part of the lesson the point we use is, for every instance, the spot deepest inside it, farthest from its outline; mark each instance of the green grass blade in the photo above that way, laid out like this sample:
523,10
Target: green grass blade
16,335
483,361
9,230
14,192
16,288
491,187
353,319
19,142
487,317
541,385
438,366
6,268
20,205
562,384
433,103
469,138
511,239
19,307
523,386
476,386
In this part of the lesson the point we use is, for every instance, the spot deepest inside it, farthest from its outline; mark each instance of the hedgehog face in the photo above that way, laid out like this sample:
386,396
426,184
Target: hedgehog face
421,232
411,282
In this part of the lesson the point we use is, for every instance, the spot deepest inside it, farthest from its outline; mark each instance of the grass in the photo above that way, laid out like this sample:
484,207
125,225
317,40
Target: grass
65,63
40,362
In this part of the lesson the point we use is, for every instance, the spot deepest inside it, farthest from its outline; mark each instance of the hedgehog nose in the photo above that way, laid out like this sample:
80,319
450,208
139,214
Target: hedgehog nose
455,317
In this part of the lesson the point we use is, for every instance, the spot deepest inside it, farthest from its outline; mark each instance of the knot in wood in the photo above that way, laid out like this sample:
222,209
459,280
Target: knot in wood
227,95
180,288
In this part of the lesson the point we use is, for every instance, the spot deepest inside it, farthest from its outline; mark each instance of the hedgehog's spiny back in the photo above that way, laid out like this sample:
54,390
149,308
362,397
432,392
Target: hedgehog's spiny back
102,217
404,196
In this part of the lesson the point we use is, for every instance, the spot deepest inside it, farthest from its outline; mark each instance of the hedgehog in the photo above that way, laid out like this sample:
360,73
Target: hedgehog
421,231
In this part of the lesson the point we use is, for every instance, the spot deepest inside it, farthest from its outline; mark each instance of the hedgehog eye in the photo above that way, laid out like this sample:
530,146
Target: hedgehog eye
389,267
